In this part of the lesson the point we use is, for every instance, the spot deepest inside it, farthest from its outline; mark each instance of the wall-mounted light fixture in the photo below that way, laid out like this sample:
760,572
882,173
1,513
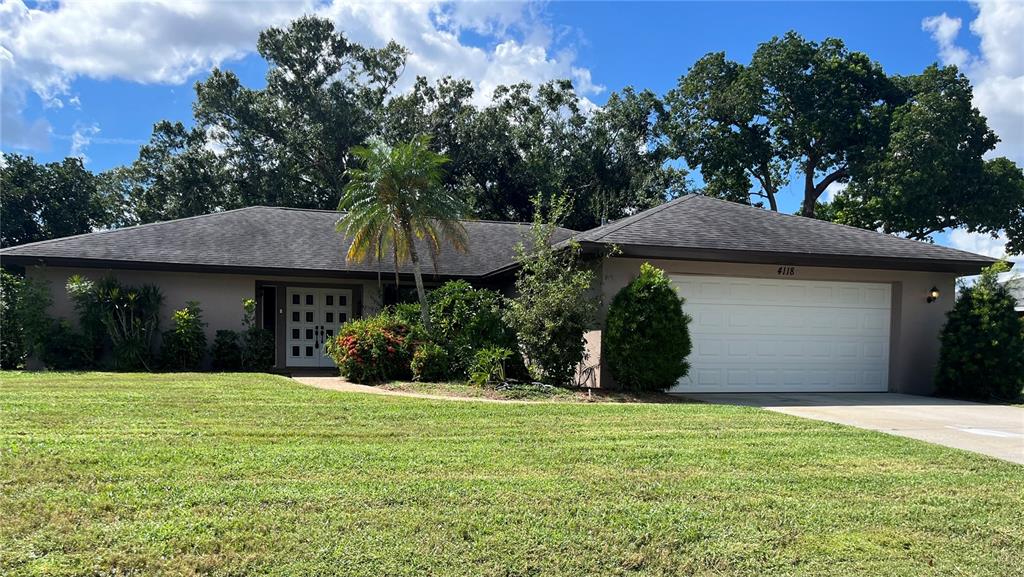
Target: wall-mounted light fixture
933,295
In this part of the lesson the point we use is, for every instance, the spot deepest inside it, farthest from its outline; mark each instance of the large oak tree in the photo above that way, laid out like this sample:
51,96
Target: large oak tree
815,114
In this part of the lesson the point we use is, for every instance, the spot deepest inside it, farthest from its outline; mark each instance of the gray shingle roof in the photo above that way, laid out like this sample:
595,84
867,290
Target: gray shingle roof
299,240
703,223
269,238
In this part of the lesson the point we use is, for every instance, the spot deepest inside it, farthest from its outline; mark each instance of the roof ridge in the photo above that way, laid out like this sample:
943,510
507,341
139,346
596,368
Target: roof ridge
634,218
127,228
828,222
486,220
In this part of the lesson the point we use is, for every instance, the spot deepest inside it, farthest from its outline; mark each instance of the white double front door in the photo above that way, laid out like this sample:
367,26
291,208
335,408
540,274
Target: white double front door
314,315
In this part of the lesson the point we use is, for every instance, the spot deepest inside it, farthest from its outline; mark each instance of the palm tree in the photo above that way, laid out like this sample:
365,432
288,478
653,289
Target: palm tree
395,199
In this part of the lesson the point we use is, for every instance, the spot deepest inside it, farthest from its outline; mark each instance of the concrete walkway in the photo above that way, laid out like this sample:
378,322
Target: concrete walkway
993,430
336,383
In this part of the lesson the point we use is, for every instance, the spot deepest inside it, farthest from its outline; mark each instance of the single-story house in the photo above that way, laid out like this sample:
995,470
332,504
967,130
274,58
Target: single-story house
779,302
1014,281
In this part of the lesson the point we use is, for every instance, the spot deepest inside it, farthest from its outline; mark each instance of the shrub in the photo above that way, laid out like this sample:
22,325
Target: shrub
374,349
552,309
982,354
66,349
466,320
184,346
489,366
12,335
257,343
646,338
430,363
226,353
130,315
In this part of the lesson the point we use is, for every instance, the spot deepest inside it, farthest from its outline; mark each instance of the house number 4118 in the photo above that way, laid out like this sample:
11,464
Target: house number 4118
787,271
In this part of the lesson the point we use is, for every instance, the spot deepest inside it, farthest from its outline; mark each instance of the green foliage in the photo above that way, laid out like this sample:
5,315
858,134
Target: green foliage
982,355
646,338
12,334
66,349
466,320
176,175
429,363
184,346
53,342
396,199
257,343
910,148
44,201
130,315
488,366
552,308
226,353
373,350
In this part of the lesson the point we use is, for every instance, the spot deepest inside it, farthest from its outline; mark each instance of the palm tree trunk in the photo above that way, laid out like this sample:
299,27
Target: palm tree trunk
420,291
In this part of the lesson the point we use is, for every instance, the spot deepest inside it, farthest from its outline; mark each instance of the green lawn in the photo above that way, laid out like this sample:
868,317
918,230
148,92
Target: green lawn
120,474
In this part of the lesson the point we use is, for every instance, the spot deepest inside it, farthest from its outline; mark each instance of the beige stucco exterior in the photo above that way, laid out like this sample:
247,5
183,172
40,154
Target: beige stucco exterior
916,323
914,344
219,295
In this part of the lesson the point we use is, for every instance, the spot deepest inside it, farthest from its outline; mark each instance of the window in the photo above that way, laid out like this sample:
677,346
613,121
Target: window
309,334
330,333
330,318
295,333
309,351
309,299
295,299
295,351
330,300
342,300
342,317
309,316
295,316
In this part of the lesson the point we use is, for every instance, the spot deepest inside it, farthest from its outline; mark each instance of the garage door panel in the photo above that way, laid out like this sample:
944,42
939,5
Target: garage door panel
773,320
786,335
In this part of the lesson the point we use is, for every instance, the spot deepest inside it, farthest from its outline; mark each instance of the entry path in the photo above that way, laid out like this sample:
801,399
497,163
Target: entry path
335,383
994,430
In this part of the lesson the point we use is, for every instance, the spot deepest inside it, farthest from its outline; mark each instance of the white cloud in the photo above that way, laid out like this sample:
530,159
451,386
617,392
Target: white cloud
81,139
997,71
44,49
980,243
944,31
833,189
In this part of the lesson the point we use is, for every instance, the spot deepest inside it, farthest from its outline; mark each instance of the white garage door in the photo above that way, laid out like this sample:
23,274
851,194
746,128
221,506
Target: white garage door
780,335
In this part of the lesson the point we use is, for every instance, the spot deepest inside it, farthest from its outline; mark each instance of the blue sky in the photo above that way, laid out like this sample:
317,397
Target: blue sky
90,80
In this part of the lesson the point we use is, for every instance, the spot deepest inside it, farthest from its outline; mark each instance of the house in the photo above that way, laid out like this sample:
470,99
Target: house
779,302
1014,280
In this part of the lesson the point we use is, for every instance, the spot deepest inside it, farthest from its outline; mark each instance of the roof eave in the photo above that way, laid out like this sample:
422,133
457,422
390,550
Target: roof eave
963,267
110,264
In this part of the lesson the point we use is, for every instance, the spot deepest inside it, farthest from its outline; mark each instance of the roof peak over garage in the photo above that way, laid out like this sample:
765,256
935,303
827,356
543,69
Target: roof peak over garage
706,228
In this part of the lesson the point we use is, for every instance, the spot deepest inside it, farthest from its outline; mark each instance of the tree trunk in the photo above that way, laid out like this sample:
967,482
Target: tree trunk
810,194
420,291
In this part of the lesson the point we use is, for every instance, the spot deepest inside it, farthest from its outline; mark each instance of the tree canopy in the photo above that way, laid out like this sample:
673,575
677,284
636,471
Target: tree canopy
910,150
906,155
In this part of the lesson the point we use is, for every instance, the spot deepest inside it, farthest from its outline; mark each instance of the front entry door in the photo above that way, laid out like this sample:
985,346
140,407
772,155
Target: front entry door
314,315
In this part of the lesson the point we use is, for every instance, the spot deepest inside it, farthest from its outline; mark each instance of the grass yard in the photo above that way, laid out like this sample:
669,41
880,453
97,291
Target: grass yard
123,474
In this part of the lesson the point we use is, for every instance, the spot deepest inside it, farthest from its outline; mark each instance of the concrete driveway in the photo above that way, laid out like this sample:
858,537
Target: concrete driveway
993,430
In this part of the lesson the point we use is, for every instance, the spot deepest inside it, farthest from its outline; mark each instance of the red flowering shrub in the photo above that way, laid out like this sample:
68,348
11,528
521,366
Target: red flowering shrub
375,349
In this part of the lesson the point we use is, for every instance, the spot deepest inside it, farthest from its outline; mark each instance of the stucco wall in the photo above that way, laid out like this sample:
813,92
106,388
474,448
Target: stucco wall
914,344
219,295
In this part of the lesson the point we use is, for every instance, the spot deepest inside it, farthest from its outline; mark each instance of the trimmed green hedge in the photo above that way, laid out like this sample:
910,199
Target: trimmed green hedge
647,338
982,355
